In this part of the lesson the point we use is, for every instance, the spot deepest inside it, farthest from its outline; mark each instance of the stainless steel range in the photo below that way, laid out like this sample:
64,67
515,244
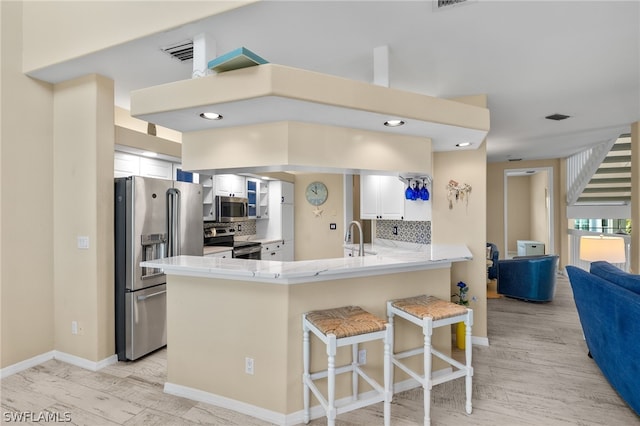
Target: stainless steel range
217,235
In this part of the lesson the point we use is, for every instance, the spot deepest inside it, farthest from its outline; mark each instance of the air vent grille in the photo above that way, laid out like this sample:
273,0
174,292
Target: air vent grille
182,51
445,3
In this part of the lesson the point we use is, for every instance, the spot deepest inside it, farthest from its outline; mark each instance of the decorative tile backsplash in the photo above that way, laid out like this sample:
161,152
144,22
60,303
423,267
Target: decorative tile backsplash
246,227
399,230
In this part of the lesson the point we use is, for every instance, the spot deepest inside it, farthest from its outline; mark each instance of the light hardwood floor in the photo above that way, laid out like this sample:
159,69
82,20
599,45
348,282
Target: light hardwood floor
535,372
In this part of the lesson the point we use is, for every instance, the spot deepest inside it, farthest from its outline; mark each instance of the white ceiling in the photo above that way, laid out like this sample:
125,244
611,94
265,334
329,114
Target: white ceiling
532,59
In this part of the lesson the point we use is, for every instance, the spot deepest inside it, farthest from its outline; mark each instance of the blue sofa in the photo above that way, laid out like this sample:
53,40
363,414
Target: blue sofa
608,303
530,278
494,254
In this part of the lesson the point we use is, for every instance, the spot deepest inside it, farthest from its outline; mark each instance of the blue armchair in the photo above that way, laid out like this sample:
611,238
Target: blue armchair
494,254
530,278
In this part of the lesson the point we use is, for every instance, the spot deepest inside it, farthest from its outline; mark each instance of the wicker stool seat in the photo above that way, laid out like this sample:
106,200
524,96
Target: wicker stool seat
429,312
348,325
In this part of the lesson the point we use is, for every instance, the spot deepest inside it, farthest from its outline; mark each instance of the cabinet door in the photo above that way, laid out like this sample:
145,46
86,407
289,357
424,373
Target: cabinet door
156,168
287,193
391,198
287,222
125,164
239,186
230,186
223,254
369,196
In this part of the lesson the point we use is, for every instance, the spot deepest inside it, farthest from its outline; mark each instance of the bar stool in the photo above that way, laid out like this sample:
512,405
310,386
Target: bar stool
430,312
349,325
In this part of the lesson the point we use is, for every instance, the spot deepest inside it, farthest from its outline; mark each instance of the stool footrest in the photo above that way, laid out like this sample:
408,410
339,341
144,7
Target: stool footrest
448,377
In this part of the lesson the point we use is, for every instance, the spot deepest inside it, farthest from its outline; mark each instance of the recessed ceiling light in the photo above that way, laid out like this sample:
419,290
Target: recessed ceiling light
557,117
393,123
211,116
463,144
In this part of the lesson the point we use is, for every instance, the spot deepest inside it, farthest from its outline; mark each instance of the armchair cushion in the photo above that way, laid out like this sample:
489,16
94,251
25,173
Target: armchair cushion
531,278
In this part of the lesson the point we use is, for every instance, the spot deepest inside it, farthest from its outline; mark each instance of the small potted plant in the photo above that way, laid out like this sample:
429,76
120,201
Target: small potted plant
462,300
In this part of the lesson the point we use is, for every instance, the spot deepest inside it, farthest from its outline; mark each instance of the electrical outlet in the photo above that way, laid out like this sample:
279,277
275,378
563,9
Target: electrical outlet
248,365
74,327
362,356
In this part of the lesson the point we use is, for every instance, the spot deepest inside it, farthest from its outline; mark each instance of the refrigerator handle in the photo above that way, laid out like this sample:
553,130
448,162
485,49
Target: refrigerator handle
173,222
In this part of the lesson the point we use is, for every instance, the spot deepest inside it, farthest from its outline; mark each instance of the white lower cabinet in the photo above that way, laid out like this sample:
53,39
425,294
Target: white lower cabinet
228,254
273,251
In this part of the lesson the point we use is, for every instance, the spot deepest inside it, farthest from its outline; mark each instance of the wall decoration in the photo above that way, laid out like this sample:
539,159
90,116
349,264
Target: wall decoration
457,192
316,193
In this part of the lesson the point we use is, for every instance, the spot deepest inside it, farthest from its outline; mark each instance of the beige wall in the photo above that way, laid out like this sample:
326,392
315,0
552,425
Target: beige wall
313,238
519,211
540,208
83,206
464,222
26,201
123,119
290,145
495,203
54,34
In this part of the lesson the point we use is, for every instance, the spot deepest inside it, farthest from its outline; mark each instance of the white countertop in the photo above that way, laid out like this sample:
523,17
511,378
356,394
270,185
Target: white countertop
390,258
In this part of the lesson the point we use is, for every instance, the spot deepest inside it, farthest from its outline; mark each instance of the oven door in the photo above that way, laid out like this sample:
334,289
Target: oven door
252,252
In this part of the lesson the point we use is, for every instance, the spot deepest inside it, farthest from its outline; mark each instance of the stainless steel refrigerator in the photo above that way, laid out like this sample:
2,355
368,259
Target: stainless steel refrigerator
154,218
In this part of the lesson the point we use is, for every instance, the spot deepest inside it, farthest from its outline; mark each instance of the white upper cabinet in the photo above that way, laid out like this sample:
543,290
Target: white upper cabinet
231,186
125,164
159,169
381,197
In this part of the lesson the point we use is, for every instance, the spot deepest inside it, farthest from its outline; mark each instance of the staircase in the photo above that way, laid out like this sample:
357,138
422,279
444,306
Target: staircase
611,183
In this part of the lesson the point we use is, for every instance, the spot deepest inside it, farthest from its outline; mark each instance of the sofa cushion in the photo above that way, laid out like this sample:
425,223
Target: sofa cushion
617,276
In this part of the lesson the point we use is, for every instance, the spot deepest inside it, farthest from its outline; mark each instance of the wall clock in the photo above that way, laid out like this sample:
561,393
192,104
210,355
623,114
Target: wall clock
316,193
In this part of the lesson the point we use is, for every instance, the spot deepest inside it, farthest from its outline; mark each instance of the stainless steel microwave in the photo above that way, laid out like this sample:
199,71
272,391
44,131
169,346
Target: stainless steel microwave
231,209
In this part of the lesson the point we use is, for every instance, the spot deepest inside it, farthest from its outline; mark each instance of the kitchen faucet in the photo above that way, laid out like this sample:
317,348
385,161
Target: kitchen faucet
347,236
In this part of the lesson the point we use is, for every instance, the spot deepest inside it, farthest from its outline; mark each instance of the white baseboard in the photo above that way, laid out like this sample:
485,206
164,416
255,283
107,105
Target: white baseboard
27,363
271,416
60,356
479,341
85,363
224,402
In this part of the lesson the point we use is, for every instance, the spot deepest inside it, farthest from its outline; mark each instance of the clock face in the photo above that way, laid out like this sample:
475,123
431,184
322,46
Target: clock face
316,193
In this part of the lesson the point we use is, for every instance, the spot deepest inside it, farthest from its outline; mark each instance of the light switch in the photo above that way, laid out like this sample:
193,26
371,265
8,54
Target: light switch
83,242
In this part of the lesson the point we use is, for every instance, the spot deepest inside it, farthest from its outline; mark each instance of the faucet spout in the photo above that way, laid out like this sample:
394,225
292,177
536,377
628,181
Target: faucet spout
348,236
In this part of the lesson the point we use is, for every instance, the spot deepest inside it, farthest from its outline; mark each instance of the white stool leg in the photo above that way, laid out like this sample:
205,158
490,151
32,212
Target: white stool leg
427,330
331,380
354,373
468,353
390,322
305,374
388,367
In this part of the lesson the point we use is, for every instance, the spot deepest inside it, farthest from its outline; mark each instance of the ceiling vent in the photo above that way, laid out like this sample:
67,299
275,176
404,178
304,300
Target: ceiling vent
446,4
182,51
557,117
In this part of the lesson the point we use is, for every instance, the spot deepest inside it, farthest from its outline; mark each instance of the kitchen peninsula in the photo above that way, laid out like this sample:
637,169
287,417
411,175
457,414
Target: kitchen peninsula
234,330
